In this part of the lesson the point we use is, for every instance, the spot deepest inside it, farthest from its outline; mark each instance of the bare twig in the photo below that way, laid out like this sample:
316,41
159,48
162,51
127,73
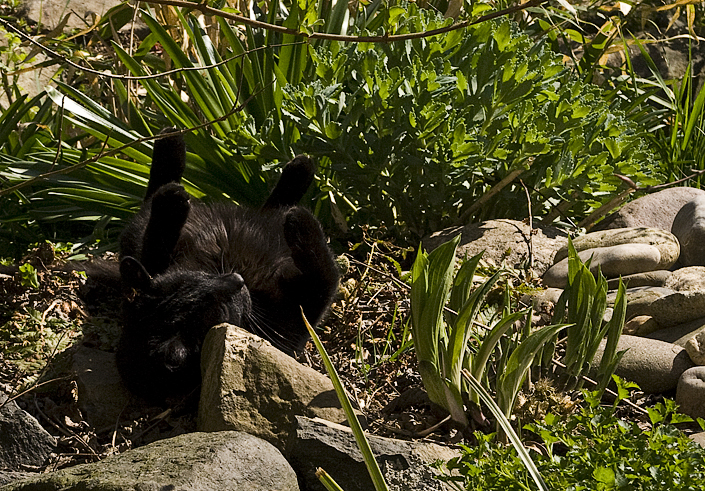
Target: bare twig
66,430
508,179
531,225
431,429
35,386
633,187
119,149
603,210
206,10
106,74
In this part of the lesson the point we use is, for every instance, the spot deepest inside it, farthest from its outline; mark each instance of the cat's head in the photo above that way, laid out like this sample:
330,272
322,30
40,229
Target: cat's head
182,302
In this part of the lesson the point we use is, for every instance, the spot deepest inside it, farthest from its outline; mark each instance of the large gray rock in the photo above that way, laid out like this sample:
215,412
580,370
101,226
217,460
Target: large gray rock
690,394
102,397
665,242
23,442
614,261
504,240
248,385
689,227
678,308
657,210
655,365
224,461
640,300
404,464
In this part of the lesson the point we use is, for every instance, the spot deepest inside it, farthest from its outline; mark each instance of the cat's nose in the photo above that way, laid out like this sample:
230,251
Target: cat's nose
234,280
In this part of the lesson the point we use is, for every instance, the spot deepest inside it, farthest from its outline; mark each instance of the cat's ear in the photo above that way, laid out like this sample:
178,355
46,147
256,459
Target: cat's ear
134,276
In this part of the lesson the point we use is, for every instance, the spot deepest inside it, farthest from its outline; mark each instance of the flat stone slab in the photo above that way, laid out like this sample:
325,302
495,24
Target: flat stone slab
691,278
665,242
613,261
678,308
660,277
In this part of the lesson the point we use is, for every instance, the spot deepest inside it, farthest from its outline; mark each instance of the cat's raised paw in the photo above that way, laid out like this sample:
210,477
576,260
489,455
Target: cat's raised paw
171,200
293,183
305,238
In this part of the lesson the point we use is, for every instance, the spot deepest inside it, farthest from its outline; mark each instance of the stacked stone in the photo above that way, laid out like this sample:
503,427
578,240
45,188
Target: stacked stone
656,244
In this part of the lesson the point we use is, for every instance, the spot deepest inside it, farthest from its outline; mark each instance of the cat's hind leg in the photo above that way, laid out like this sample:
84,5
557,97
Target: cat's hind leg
296,177
318,282
170,207
168,160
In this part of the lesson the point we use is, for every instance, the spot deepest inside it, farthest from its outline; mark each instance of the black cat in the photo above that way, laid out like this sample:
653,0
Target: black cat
187,266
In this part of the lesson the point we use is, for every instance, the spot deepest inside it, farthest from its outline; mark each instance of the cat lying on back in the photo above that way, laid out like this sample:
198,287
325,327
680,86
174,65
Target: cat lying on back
187,266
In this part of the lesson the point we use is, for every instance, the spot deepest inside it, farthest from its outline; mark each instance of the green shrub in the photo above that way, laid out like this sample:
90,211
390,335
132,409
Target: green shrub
591,449
416,132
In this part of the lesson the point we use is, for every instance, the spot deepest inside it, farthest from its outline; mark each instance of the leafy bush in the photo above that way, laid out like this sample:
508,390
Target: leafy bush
591,449
417,132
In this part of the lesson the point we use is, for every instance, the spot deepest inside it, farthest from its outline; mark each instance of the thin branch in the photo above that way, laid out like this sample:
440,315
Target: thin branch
119,149
206,10
658,187
508,179
102,73
531,225
603,210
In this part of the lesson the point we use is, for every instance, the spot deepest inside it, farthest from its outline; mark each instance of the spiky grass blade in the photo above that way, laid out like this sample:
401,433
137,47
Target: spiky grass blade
362,443
508,430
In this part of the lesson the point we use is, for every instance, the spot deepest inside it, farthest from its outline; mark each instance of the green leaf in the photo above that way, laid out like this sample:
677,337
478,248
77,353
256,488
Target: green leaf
604,475
508,430
362,443
519,362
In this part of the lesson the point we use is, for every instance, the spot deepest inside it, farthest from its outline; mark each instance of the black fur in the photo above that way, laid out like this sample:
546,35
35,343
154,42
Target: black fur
187,266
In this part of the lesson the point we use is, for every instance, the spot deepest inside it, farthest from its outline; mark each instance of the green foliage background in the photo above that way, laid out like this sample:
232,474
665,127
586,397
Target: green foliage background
409,135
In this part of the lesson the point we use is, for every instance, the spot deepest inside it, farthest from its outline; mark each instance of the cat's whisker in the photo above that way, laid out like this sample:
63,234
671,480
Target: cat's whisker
264,329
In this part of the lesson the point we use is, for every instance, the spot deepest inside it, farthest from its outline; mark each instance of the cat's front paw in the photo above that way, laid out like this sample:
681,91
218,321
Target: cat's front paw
293,183
300,170
171,202
302,231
